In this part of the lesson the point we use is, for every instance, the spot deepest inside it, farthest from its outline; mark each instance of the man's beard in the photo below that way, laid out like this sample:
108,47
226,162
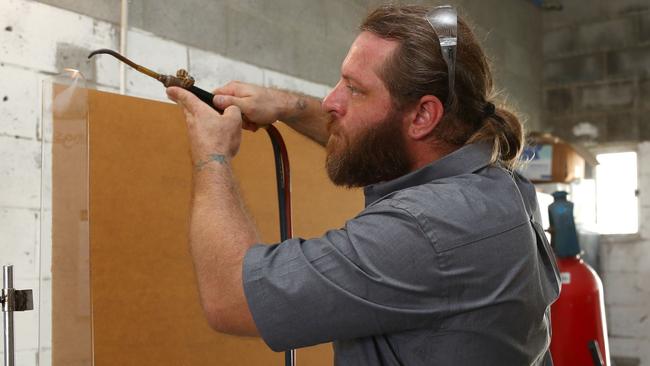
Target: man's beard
375,155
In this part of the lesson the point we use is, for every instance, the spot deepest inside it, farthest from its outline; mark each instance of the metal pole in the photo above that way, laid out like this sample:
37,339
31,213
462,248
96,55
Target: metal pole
8,285
124,29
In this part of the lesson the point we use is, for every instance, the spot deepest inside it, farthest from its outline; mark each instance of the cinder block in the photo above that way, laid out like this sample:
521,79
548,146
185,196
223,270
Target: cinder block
320,57
626,288
644,94
523,95
574,69
644,26
607,96
522,23
162,56
559,101
622,127
19,238
263,42
628,347
519,61
281,81
630,257
304,16
632,62
36,29
20,107
212,71
504,24
20,173
644,125
559,41
620,7
572,12
342,18
198,23
629,321
643,156
108,10
492,44
606,34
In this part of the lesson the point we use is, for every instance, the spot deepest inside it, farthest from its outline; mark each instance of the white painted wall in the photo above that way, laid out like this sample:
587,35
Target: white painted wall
28,56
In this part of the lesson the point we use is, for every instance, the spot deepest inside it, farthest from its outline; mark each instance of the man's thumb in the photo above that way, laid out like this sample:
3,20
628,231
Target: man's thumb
232,112
224,101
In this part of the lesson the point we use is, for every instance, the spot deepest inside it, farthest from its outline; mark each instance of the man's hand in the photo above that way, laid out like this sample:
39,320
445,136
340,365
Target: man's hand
260,106
221,230
212,136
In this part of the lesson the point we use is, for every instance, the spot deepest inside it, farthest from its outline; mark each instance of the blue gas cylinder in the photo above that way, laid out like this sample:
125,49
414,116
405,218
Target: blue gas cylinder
564,237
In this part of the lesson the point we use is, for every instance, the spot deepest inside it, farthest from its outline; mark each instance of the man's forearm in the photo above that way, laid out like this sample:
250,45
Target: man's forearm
221,231
304,114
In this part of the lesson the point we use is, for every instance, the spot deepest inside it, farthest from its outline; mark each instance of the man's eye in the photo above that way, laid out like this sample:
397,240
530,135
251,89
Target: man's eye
352,89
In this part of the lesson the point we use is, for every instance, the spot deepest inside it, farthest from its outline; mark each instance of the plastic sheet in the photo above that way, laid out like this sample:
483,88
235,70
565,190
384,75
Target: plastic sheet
64,301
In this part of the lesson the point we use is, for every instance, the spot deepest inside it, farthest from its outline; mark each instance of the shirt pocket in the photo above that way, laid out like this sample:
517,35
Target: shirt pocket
448,229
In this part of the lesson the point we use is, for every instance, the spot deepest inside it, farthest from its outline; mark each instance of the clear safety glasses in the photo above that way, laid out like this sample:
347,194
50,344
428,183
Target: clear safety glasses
444,21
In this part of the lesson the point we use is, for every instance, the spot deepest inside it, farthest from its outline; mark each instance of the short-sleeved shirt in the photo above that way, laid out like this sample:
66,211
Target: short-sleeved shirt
446,265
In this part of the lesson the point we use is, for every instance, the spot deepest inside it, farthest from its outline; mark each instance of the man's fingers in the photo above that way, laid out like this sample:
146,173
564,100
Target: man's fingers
224,101
232,88
184,98
250,126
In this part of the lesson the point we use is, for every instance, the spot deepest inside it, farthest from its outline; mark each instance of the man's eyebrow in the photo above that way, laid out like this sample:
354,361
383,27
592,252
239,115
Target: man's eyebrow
348,77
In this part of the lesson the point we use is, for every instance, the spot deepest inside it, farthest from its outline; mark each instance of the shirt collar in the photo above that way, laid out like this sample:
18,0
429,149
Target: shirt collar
465,160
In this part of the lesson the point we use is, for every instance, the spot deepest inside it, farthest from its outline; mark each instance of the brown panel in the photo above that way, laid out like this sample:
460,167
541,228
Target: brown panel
145,303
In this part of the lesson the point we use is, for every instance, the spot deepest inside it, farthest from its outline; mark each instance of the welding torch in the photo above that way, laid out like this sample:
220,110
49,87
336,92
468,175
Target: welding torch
182,78
282,171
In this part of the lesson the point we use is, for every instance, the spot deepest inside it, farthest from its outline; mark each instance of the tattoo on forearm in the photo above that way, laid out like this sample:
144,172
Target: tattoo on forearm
219,158
301,104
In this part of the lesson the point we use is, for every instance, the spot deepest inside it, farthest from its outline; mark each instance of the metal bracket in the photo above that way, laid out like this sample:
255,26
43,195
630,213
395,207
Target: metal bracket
16,300
12,300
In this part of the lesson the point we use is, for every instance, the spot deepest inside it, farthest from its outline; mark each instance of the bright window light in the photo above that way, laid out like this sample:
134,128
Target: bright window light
617,209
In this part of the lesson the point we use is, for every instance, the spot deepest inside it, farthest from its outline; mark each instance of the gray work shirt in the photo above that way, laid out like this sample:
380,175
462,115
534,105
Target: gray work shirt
446,265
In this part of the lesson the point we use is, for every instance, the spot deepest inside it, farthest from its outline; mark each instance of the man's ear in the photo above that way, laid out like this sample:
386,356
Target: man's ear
425,117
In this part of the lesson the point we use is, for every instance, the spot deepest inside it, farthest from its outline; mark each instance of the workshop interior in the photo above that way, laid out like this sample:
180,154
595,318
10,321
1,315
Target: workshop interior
95,175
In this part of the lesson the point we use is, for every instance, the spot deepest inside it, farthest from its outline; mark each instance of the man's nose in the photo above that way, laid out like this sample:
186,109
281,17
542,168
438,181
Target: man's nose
333,103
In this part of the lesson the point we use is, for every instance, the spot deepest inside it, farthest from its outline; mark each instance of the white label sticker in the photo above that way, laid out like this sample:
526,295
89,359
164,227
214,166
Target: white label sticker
565,277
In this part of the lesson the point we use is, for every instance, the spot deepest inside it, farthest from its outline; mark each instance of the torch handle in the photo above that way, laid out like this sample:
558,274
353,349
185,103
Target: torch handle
205,96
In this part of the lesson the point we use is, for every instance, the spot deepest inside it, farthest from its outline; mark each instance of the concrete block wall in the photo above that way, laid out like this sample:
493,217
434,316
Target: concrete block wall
290,44
596,91
309,38
597,71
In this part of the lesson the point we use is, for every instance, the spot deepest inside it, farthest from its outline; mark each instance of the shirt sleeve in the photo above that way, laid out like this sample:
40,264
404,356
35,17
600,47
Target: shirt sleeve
378,274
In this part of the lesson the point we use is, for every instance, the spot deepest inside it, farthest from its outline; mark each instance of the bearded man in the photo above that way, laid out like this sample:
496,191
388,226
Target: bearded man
446,265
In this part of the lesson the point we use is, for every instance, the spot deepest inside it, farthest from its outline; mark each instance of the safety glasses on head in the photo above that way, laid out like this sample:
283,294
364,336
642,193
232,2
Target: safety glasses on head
444,21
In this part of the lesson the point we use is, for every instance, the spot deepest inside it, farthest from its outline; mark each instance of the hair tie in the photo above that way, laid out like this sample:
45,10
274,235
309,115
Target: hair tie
489,110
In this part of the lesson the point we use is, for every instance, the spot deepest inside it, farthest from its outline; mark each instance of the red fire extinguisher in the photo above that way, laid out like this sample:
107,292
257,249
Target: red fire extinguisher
578,317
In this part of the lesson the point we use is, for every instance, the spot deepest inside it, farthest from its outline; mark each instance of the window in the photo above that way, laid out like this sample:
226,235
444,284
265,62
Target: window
617,209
